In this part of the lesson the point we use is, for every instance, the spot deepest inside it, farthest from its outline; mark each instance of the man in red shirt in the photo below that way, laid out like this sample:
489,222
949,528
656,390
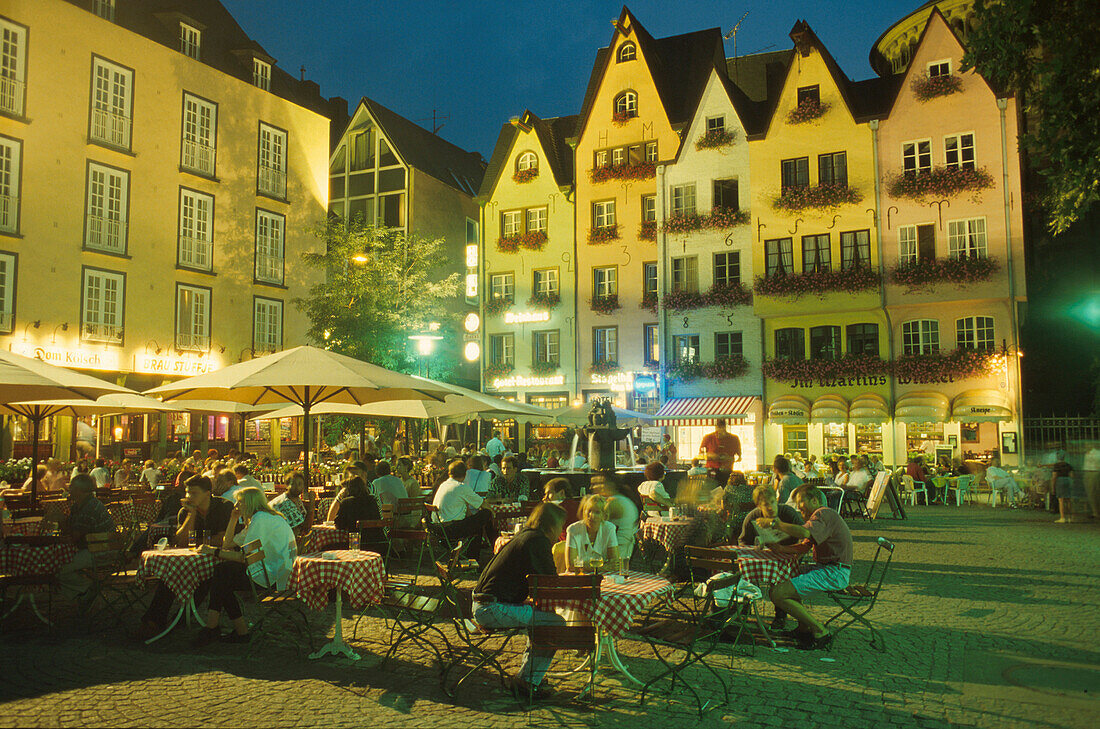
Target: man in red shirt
722,450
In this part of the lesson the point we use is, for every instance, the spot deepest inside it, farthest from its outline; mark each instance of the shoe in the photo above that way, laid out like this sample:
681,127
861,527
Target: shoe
205,637
797,634
236,637
822,642
1060,520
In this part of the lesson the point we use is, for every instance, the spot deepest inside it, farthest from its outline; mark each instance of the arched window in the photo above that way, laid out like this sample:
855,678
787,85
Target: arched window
527,161
627,52
626,104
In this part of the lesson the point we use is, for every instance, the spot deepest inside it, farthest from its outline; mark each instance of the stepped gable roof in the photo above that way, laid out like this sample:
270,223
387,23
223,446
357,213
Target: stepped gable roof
552,135
427,152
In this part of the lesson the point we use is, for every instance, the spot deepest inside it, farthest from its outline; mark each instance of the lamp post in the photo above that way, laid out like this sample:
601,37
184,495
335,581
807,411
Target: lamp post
425,343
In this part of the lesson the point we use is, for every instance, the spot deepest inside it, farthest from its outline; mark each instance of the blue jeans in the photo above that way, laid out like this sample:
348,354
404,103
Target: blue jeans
497,615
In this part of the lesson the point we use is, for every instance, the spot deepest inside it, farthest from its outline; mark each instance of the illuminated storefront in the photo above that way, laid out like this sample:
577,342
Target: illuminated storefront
691,418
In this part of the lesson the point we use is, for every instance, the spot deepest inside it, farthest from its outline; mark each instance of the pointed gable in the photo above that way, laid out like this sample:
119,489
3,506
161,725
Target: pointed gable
549,135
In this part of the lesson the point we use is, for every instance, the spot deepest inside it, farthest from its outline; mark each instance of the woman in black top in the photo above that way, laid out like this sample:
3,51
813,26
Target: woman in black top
1061,483
354,504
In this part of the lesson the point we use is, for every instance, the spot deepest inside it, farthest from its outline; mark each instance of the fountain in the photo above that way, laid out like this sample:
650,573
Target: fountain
603,433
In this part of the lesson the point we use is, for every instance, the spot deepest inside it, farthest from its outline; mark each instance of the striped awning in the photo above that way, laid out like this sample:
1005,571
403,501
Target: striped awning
703,410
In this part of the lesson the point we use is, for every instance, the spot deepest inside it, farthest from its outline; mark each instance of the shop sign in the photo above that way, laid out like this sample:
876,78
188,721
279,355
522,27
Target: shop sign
156,364
788,413
526,317
926,380
519,381
622,379
645,383
83,359
131,452
872,381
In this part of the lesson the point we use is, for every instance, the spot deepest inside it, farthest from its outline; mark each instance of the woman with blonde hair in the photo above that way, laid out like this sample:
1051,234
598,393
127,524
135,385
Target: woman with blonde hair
591,537
265,525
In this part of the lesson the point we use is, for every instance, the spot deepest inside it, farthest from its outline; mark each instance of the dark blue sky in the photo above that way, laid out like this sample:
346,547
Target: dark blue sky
482,62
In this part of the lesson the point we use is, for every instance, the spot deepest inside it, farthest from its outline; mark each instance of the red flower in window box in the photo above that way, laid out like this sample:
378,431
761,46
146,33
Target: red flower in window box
717,219
819,283
716,139
539,367
684,300
825,196
543,301
605,304
728,368
926,88
606,234
648,230
808,110
499,369
497,306
620,118
937,367
728,296
526,175
534,240
926,274
605,367
636,171
649,301
939,183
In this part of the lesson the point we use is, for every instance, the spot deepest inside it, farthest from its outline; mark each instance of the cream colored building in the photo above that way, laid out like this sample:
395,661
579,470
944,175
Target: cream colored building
160,179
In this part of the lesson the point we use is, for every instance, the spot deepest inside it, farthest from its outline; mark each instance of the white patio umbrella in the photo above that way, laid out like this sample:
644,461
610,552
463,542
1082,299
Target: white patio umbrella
24,379
305,376
577,415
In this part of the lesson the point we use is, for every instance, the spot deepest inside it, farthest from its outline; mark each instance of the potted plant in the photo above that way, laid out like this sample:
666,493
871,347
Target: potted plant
926,88
605,304
808,110
939,183
522,176
605,234
825,196
716,139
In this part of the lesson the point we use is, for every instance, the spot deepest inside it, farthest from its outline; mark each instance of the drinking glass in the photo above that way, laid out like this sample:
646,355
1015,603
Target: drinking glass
353,542
597,564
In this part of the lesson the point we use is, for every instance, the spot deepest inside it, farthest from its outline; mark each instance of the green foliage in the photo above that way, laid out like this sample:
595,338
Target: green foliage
1045,52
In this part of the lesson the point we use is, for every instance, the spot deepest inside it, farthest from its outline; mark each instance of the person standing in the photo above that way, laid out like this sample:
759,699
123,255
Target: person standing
1091,468
495,447
668,448
1061,481
722,450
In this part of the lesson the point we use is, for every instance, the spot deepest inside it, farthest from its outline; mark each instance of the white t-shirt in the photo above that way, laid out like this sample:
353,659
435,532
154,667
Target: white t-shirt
580,461
99,473
478,480
858,479
697,471
389,489
626,526
151,476
277,540
576,536
652,489
453,499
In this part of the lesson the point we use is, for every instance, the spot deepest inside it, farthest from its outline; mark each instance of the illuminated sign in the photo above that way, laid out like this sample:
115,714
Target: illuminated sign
471,284
645,383
524,317
157,364
471,256
518,381
624,379
84,359
472,351
473,321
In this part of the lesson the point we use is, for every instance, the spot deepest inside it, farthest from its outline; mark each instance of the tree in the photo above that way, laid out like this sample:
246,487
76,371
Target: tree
1046,52
381,285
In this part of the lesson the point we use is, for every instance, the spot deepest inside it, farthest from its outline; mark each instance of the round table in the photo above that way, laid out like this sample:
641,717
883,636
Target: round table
763,567
37,559
327,536
181,571
502,513
358,574
672,534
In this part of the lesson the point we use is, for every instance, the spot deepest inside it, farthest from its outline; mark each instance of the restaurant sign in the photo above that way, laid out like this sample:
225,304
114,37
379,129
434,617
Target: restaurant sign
82,359
526,317
156,364
871,381
519,381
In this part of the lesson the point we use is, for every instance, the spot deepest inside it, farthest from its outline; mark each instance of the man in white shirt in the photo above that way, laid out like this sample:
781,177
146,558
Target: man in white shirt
150,476
860,477
244,481
460,513
477,478
100,473
495,446
387,488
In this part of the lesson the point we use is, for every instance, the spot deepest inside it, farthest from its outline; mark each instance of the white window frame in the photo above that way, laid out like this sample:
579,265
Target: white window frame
908,251
271,162
719,354
502,349
965,154
649,278
601,158
8,272
106,211
627,52
199,136
502,286
605,281
975,332
730,261
511,223
618,156
627,103
606,350
547,346
196,230
920,336
13,67
651,344
687,347
547,281
716,124
649,208
102,318
651,152
270,247
11,178
536,219
966,238
261,74
267,324
190,41
921,159
111,120
104,9
936,65
682,199
527,161
193,327
685,274
603,214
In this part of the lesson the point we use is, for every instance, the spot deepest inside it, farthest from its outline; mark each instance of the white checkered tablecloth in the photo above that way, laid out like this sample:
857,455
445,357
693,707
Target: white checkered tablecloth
122,512
145,511
35,559
158,531
502,513
618,605
181,570
763,567
358,574
326,536
671,534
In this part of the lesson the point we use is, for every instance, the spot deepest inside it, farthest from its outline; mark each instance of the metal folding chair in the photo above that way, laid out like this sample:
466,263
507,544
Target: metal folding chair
704,561
577,634
857,600
276,609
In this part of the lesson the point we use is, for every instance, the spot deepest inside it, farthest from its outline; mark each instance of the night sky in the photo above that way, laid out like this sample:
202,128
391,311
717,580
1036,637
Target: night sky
482,62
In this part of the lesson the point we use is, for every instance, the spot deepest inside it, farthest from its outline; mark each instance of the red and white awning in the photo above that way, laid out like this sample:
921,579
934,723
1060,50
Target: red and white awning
703,410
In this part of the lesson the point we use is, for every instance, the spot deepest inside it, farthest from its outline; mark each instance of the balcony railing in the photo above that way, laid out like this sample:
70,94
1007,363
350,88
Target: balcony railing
110,128
269,268
101,332
11,95
9,213
196,253
272,182
105,234
185,340
198,157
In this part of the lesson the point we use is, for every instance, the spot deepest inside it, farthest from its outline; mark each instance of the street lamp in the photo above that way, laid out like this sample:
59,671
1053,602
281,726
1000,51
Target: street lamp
425,343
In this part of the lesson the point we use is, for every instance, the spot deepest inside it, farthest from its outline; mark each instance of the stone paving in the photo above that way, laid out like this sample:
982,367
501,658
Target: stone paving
991,620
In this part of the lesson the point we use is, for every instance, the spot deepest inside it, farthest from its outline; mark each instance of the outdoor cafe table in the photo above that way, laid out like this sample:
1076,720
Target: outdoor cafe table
40,557
763,567
326,536
181,571
614,611
672,534
359,574
503,512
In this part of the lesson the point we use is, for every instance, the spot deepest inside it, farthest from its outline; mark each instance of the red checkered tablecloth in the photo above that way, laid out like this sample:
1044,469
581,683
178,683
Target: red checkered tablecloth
763,567
35,559
502,513
159,531
145,511
326,536
618,605
122,512
671,534
181,570
358,574
27,528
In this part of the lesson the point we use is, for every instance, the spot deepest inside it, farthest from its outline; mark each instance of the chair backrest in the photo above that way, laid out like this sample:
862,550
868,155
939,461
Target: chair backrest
99,542
373,524
964,482
407,506
711,560
876,573
907,482
564,587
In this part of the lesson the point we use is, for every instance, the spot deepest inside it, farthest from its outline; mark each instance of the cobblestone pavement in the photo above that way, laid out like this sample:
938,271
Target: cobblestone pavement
990,617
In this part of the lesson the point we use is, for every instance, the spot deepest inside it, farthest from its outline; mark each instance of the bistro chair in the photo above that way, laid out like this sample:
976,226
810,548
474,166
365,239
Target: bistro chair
910,488
277,610
413,612
578,634
703,563
857,600
408,533
961,487
114,576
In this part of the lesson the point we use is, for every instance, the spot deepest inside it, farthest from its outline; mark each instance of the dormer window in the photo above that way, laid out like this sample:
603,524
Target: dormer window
190,41
627,52
809,94
626,105
527,161
261,74
716,125
939,68
104,8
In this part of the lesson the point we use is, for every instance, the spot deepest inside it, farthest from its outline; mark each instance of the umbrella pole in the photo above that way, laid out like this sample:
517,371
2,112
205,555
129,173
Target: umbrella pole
244,424
35,424
305,434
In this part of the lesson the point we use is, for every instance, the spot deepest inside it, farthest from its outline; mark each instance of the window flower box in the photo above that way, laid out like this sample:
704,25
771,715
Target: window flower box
649,301
522,176
621,118
497,306
728,296
939,183
605,367
532,241
605,304
729,368
717,219
499,369
957,365
647,230
926,88
819,283
606,234
926,274
716,139
685,370
826,196
684,300
848,366
542,368
544,301
636,171
807,111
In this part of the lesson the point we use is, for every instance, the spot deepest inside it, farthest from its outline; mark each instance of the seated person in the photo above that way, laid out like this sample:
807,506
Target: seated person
785,479
832,569
840,477
652,488
697,468
624,506
150,477
387,487
556,491
290,503
201,513
592,537
477,478
552,460
511,484
915,468
860,478
87,515
459,512
501,592
494,465
767,507
357,505
579,461
404,471
261,524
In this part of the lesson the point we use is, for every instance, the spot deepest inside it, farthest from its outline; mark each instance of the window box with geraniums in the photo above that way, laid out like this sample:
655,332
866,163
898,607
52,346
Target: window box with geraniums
605,367
728,368
649,301
499,369
819,283
497,305
526,175
808,110
621,118
684,300
825,196
543,301
716,139
939,183
648,230
728,296
926,274
606,234
848,366
685,370
717,219
542,367
926,88
534,240
635,171
957,365
605,304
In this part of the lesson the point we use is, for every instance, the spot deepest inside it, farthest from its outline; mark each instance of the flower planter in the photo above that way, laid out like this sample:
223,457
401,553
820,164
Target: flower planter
684,300
858,365
926,88
497,306
637,171
826,196
939,183
494,369
728,296
544,301
542,369
533,241
717,219
522,176
604,367
807,111
958,271
649,301
605,304
723,369
716,139
647,230
959,364
819,283
599,236
622,118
